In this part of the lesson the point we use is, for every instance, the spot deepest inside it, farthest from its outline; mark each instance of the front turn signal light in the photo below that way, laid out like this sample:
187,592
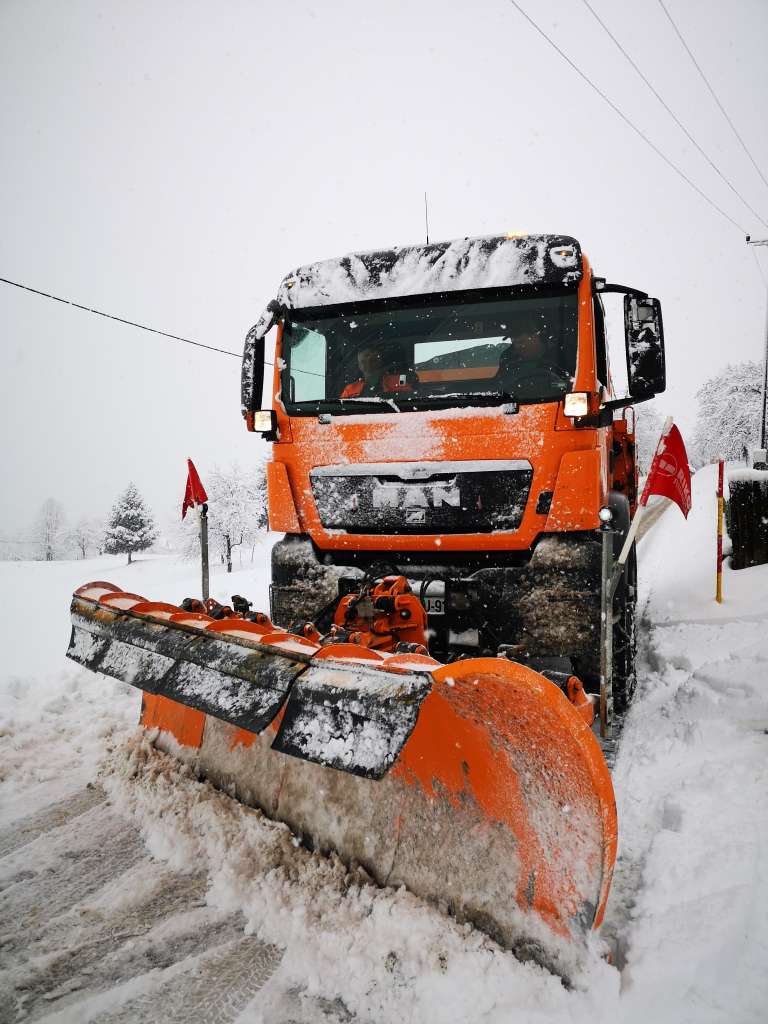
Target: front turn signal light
576,404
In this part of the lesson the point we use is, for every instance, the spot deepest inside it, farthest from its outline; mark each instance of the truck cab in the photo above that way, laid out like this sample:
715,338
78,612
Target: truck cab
446,411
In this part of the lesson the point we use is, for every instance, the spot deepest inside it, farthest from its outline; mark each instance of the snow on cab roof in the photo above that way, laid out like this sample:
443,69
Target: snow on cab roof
494,261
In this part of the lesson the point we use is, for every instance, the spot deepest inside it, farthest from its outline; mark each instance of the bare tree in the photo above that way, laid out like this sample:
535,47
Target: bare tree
235,505
86,534
49,529
237,513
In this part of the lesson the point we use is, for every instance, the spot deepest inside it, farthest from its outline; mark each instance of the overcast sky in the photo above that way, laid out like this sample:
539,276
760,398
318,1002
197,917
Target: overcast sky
169,162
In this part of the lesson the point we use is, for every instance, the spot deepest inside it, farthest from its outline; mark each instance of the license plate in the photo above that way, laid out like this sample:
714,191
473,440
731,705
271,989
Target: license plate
435,605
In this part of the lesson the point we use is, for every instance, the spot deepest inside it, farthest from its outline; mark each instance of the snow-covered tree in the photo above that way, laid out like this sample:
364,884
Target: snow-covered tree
237,512
131,525
730,406
86,534
649,422
236,509
50,529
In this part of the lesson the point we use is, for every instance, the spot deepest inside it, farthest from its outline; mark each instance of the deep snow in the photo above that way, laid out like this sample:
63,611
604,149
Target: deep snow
688,914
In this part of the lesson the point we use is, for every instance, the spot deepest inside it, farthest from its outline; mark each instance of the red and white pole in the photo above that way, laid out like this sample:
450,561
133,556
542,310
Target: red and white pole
719,587
630,538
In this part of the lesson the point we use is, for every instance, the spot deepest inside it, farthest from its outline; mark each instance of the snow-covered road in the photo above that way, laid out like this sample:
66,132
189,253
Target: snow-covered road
129,891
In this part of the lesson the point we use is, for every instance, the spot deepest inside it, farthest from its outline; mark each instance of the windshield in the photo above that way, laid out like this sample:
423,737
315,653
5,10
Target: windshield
348,360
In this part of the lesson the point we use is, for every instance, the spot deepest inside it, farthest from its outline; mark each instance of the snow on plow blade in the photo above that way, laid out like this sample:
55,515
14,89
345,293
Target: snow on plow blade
476,784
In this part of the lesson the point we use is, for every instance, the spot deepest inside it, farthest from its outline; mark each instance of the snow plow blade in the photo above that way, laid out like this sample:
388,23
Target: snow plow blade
476,784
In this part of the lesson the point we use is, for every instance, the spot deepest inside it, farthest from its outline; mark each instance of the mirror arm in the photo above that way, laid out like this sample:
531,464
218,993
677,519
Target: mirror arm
622,403
601,287
617,403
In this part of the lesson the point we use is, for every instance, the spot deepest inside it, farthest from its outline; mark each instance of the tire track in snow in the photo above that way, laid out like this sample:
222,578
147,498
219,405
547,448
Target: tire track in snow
27,830
92,949
214,989
48,885
85,913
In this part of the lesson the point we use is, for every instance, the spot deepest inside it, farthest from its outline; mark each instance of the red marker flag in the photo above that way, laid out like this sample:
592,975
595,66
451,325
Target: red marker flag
194,494
669,474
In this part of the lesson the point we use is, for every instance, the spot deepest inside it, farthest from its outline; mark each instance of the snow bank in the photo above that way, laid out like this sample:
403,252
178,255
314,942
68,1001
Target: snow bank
690,897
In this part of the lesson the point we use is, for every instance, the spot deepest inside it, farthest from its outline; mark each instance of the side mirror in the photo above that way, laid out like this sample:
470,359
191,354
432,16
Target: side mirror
252,377
644,338
252,374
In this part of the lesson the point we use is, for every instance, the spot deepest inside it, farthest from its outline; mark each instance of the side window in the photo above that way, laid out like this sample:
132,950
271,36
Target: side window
600,348
306,372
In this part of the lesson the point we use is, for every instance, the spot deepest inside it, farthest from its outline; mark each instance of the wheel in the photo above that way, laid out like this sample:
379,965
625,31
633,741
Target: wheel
302,587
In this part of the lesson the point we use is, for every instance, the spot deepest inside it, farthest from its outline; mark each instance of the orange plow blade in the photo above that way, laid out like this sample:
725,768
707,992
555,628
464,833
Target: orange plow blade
476,784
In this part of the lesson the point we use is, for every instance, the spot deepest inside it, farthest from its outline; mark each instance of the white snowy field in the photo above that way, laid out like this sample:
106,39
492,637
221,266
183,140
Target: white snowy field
167,901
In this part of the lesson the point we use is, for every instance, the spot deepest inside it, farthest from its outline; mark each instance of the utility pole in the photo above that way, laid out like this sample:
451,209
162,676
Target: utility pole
763,430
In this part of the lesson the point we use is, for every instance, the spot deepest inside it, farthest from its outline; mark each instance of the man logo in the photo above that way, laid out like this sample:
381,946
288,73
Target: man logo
414,516
412,496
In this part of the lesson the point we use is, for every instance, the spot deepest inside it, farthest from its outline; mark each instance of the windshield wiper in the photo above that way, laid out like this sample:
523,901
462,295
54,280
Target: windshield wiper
478,396
370,400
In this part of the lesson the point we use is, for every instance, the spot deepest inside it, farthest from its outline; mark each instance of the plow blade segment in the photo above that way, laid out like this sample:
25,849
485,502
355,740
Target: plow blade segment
236,681
508,780
351,717
499,805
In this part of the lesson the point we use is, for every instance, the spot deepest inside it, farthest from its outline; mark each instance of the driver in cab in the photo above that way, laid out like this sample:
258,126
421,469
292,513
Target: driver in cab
375,380
533,360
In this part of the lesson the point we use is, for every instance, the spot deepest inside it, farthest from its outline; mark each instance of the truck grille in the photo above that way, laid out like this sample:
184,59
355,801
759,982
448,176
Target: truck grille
422,497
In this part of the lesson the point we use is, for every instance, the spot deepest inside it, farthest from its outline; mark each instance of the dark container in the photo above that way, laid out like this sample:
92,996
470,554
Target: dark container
748,518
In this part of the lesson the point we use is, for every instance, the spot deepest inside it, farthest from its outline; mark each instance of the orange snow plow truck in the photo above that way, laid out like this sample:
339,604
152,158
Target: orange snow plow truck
445,445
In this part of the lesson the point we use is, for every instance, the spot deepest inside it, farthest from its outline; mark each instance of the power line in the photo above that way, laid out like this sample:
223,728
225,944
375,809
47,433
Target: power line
671,113
119,319
626,120
142,327
712,91
759,268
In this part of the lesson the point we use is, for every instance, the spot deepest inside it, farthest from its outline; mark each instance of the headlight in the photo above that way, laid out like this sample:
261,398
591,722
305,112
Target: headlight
264,421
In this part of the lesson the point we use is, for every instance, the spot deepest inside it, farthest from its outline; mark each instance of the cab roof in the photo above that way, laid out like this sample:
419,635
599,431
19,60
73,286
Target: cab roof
494,261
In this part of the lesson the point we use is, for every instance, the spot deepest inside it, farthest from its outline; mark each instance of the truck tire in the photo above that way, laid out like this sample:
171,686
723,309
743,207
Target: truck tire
302,586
